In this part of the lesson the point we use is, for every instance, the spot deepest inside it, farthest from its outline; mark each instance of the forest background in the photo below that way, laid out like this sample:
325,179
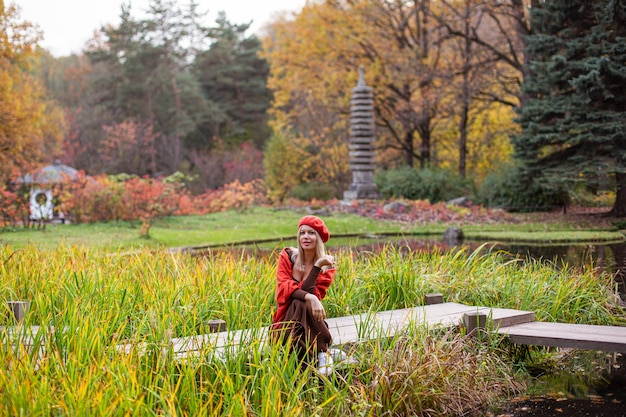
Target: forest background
515,104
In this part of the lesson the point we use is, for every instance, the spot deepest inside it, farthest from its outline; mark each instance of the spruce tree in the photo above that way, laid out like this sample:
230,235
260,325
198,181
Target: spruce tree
574,120
234,77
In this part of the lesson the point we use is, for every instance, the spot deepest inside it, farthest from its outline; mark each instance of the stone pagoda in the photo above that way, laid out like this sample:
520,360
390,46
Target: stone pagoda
362,138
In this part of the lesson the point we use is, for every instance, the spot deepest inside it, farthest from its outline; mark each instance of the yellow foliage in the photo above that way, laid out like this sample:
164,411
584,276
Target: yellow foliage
413,69
31,126
488,140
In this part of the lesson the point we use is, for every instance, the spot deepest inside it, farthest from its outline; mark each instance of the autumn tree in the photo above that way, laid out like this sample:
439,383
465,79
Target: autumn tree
441,99
142,73
481,99
129,147
318,54
70,81
498,30
31,125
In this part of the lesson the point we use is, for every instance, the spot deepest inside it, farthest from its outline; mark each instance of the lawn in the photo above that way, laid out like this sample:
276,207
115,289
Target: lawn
262,224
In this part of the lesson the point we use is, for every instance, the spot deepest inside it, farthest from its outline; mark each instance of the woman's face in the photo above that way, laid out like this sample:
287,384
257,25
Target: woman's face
307,237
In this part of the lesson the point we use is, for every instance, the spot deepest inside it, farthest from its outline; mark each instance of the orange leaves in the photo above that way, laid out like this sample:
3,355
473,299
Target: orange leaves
30,126
424,93
92,199
235,196
11,207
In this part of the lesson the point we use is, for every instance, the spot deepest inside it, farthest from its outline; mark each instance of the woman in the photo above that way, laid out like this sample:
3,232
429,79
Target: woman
303,276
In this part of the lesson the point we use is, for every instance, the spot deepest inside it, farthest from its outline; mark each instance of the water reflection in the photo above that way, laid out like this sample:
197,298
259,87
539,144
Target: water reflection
609,258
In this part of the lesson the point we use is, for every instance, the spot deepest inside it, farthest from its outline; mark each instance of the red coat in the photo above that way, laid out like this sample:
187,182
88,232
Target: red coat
287,288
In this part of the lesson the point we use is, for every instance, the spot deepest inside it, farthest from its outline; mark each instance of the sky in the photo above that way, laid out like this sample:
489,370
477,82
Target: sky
68,24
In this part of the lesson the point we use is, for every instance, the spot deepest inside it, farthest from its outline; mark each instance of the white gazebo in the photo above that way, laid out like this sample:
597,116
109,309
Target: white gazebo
41,183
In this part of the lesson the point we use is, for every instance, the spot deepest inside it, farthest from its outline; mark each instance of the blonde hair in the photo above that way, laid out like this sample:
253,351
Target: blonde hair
297,254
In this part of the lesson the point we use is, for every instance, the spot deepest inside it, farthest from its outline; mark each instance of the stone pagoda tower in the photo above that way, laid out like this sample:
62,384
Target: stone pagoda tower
362,138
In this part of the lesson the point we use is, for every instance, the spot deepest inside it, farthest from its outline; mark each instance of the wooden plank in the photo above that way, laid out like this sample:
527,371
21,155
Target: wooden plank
29,338
388,323
581,336
504,317
361,327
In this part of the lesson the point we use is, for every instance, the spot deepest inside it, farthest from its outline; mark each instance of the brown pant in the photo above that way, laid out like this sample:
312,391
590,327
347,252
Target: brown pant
305,335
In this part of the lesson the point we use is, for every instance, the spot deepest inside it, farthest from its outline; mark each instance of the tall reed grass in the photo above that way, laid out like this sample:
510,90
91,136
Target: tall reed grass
87,302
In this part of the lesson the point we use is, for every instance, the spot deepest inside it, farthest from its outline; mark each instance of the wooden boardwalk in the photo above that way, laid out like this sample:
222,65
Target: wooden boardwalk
519,326
360,327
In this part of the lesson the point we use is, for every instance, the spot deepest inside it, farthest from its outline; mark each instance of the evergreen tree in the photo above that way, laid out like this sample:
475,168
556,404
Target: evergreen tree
141,74
234,77
574,121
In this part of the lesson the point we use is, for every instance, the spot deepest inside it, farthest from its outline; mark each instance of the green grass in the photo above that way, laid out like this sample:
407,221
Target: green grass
213,229
262,224
90,300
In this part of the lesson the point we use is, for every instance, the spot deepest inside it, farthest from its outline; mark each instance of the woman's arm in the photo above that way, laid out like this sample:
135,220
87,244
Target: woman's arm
285,284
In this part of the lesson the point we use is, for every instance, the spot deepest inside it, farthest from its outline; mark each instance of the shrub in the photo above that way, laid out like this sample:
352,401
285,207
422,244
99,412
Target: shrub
122,197
312,191
584,196
93,199
507,188
235,195
14,205
432,184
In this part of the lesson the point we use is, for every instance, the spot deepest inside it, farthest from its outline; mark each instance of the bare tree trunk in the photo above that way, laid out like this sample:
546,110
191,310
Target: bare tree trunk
619,206
408,148
465,95
425,133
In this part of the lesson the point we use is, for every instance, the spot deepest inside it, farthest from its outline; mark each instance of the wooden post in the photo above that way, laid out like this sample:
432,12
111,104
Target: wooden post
217,325
474,320
19,309
433,298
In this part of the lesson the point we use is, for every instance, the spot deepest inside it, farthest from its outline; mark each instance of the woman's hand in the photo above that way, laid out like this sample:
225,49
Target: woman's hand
316,307
325,260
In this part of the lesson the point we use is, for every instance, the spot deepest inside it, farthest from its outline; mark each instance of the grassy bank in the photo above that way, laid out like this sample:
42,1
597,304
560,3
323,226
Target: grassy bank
95,299
262,224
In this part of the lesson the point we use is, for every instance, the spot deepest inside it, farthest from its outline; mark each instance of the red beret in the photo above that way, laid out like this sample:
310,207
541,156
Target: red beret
317,224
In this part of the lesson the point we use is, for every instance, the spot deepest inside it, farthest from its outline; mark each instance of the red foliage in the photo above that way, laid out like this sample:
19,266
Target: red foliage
92,199
72,148
103,198
235,195
9,207
129,147
148,199
225,165
15,206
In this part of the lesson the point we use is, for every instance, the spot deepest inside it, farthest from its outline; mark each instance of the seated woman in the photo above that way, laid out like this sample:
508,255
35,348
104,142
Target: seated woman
303,276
